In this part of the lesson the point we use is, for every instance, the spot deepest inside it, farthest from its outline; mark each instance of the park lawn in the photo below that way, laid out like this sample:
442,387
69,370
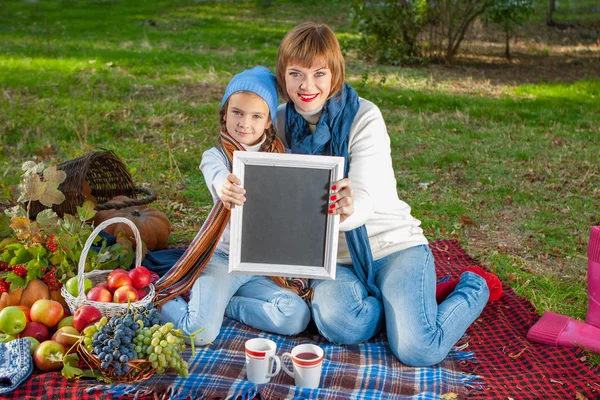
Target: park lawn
508,168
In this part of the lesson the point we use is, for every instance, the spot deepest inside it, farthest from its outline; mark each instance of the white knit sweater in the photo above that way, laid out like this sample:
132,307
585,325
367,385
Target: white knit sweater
389,223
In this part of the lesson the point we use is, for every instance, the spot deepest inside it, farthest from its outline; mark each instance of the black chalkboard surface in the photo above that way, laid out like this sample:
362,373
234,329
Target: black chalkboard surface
283,228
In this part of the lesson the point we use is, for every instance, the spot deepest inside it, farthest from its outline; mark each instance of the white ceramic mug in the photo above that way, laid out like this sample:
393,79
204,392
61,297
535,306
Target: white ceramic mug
260,357
307,360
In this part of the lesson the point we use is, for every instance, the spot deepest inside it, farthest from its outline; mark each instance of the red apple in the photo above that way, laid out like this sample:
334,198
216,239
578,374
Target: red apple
48,312
48,356
102,285
118,271
84,316
125,294
99,294
67,336
35,330
117,279
141,293
140,277
67,311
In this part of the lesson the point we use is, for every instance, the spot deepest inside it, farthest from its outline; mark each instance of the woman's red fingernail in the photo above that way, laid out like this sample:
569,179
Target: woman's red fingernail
333,197
330,211
332,206
333,187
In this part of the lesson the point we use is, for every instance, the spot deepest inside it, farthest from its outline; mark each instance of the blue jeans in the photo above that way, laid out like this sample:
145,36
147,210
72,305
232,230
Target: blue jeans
420,332
256,301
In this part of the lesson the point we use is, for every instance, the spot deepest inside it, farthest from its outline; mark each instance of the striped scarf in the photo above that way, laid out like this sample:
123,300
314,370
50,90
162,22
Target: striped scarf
181,277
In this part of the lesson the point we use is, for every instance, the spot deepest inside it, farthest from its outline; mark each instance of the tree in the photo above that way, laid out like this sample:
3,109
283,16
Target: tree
551,8
509,14
451,19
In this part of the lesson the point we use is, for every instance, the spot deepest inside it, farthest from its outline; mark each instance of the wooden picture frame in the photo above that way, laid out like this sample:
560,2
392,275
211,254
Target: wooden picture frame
283,228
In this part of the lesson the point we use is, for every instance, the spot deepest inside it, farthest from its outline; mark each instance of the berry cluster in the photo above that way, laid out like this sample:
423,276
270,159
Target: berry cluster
4,266
20,270
4,286
51,244
51,280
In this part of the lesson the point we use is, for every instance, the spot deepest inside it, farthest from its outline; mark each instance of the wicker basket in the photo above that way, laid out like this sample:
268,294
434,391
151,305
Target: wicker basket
97,276
141,369
107,177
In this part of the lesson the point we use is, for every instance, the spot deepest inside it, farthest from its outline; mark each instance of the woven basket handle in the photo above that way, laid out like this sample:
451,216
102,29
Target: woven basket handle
90,240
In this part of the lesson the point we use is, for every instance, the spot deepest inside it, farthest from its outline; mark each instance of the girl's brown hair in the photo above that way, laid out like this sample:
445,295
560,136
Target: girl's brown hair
269,132
305,44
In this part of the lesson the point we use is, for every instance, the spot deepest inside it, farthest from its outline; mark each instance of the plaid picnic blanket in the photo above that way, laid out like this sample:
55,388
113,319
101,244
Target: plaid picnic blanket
365,371
508,366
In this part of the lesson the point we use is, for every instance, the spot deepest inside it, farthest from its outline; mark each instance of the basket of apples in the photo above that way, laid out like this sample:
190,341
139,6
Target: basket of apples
110,291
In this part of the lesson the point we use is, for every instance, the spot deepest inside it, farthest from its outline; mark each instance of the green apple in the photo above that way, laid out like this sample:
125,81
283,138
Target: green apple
34,343
72,288
4,338
66,321
12,320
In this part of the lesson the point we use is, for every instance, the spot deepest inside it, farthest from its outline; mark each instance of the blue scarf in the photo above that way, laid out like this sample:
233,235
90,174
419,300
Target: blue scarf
331,138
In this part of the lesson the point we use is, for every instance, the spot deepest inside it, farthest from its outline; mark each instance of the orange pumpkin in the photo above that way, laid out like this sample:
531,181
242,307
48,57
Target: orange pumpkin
154,226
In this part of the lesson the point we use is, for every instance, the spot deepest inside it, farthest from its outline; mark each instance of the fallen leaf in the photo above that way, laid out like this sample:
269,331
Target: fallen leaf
465,219
449,396
517,355
579,396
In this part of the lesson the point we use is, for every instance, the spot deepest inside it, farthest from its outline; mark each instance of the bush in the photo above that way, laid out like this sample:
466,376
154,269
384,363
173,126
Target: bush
389,29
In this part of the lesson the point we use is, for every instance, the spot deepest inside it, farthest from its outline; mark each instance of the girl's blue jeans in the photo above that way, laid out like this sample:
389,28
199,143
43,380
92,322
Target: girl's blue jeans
420,332
253,300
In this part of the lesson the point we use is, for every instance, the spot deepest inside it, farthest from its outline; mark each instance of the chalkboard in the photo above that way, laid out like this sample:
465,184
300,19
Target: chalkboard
283,228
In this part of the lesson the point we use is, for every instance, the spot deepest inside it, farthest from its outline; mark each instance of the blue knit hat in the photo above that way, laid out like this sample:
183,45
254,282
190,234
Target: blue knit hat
258,80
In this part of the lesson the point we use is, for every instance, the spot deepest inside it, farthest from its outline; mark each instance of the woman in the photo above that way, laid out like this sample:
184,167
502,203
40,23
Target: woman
385,273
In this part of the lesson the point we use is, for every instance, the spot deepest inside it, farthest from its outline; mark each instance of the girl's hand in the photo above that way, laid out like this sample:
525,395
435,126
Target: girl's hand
231,193
341,199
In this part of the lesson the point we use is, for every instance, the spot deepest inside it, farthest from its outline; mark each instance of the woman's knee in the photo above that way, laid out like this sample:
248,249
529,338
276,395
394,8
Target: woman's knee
293,315
348,325
415,353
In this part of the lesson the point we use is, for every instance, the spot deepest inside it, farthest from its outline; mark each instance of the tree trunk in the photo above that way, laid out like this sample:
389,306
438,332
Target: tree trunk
551,8
507,48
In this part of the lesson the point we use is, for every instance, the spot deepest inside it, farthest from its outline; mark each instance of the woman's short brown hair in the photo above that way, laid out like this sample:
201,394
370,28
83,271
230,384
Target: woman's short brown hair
305,44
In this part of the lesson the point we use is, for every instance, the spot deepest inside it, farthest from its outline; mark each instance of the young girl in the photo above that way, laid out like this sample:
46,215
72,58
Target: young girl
385,272
246,118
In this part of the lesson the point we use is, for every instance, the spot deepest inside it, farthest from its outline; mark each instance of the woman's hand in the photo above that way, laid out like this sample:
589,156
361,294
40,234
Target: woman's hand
231,193
342,199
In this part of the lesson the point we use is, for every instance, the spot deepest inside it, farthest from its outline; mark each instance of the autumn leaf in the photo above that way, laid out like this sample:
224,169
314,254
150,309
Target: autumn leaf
31,189
47,218
56,357
86,211
19,224
16,211
465,219
70,372
51,174
449,396
5,230
51,194
30,167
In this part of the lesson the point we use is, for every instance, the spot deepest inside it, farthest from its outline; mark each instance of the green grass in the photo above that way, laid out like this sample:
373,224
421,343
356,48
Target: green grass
145,79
